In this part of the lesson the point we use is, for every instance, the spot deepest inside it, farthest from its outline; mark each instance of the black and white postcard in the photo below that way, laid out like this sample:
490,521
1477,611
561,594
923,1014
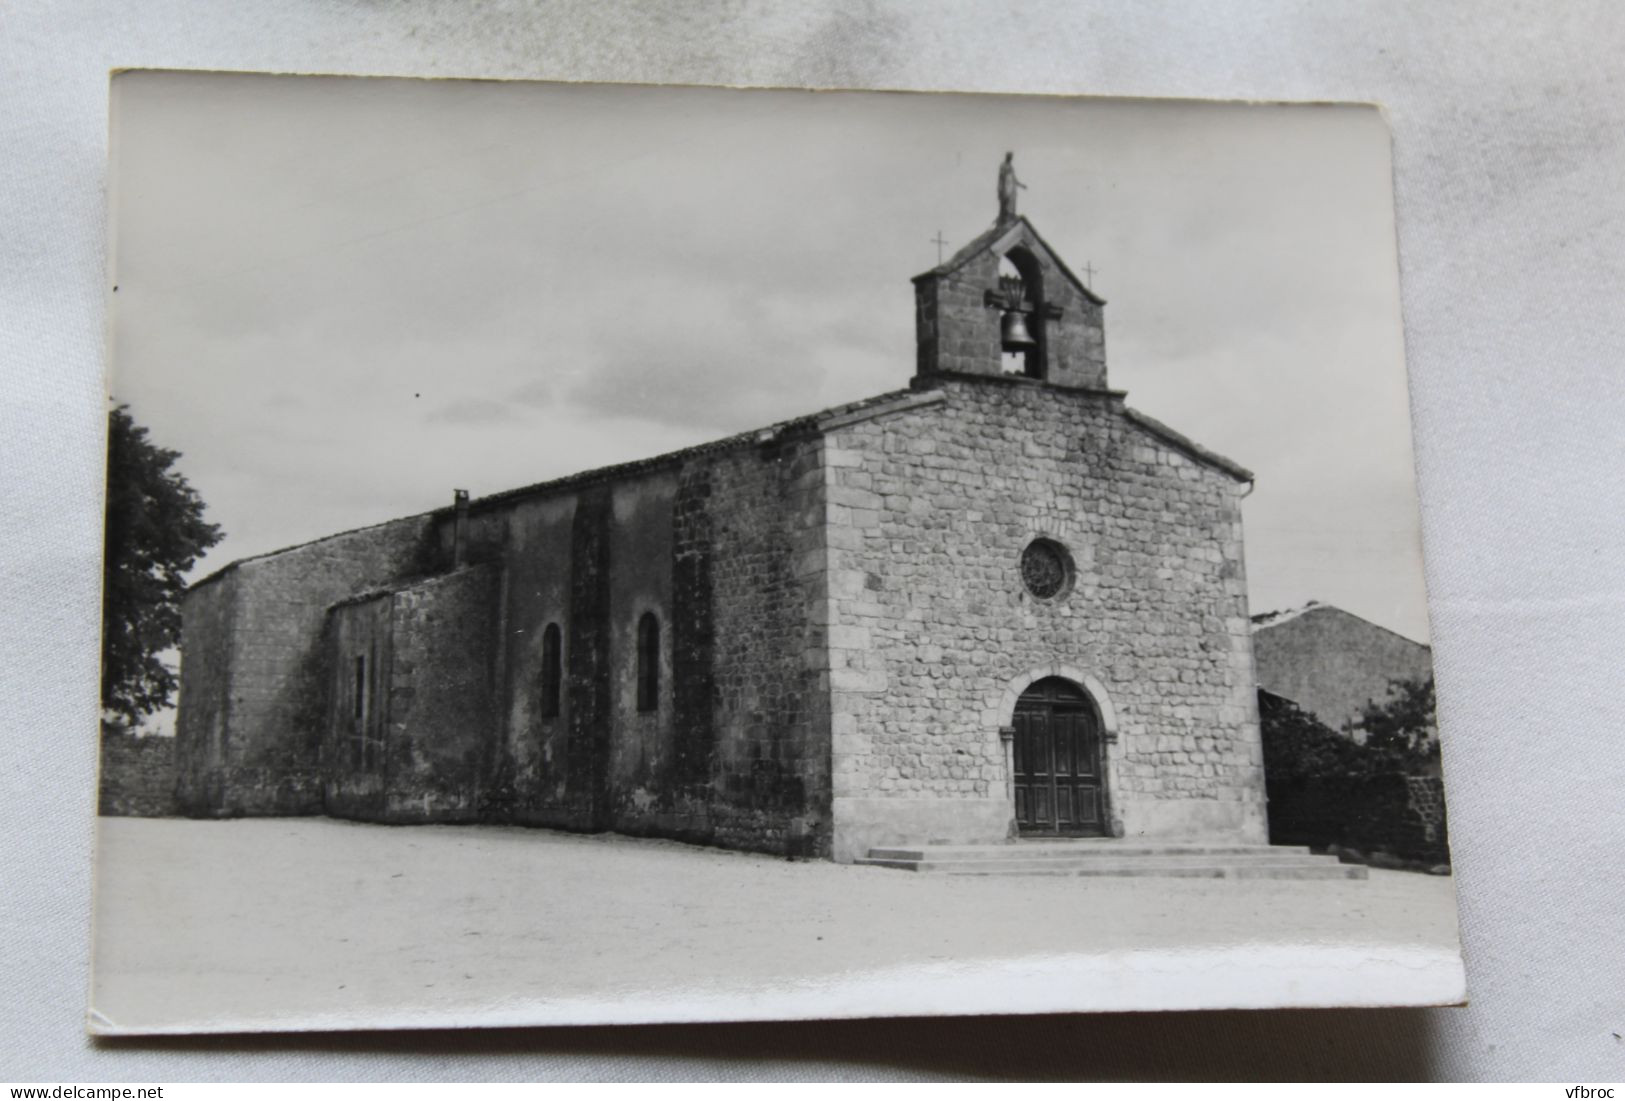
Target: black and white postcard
599,554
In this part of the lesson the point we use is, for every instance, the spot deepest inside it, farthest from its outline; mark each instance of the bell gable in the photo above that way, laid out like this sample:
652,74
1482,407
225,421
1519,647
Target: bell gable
1006,304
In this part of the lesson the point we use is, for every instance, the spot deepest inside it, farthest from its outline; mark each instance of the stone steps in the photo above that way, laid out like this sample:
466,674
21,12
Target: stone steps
1083,848
1114,858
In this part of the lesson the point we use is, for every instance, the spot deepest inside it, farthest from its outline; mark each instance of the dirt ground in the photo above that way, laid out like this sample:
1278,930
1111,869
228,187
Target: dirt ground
313,923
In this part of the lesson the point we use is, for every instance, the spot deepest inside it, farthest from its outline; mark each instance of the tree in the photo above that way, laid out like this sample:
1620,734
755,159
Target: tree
1299,748
1404,722
154,533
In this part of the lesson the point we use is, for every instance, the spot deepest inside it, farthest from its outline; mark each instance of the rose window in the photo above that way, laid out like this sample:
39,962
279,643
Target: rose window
1046,568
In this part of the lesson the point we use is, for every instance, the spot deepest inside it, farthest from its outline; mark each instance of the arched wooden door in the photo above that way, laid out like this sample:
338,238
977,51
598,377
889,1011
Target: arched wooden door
1059,775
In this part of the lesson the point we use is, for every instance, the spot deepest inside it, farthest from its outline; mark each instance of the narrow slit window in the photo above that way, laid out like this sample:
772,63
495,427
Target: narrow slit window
552,671
360,688
648,662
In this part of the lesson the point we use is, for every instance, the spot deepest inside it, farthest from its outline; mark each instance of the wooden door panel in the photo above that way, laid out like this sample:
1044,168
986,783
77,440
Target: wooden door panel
1022,750
1057,762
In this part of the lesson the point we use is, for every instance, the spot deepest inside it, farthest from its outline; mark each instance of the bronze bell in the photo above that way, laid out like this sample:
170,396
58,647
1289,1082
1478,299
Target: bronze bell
1013,332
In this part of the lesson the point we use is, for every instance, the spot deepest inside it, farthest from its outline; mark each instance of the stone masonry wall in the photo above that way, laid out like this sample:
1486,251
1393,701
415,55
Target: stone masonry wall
693,632
1388,818
640,762
359,640
276,608
742,758
770,779
932,629
724,547
137,777
958,331
440,699
531,783
586,662
204,703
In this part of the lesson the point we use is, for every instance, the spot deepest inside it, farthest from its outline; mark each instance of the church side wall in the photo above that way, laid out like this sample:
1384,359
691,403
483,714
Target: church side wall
203,707
724,549
440,699
751,689
932,631
764,554
277,712
530,781
641,752
358,645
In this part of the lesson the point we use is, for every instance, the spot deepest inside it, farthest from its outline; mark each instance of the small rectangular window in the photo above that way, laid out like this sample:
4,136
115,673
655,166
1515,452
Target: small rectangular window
360,688
552,672
648,663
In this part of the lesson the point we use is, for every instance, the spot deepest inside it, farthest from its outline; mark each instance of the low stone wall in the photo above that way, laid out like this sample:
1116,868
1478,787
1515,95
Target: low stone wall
137,776
1389,818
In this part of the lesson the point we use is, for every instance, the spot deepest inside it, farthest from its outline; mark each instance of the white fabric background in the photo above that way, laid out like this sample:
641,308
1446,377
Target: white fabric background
1510,174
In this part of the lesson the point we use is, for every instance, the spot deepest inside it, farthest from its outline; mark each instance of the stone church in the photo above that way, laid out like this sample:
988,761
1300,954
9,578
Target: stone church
1000,604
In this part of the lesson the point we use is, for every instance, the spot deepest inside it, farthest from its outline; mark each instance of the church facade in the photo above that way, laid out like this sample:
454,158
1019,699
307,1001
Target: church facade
998,604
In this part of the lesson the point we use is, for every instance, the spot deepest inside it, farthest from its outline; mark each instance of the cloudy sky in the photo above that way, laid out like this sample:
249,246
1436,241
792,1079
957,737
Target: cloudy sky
341,299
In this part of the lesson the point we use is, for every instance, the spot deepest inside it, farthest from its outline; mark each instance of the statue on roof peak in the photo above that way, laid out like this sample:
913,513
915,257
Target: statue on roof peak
1007,189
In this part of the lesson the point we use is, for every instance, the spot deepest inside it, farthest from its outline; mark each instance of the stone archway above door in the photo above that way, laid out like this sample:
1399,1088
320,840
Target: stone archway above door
1076,674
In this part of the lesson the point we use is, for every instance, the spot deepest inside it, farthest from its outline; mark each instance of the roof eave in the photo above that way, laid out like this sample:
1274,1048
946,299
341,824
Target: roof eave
1189,446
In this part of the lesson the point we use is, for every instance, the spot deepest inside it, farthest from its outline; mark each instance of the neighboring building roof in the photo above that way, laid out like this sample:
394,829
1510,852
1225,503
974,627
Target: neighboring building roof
1332,662
1265,619
1286,615
989,241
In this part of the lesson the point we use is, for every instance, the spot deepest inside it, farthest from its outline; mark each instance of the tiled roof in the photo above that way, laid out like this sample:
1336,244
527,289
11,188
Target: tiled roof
879,405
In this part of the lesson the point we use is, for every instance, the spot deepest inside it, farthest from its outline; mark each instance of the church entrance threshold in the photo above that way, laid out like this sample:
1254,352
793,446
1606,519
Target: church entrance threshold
1059,781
